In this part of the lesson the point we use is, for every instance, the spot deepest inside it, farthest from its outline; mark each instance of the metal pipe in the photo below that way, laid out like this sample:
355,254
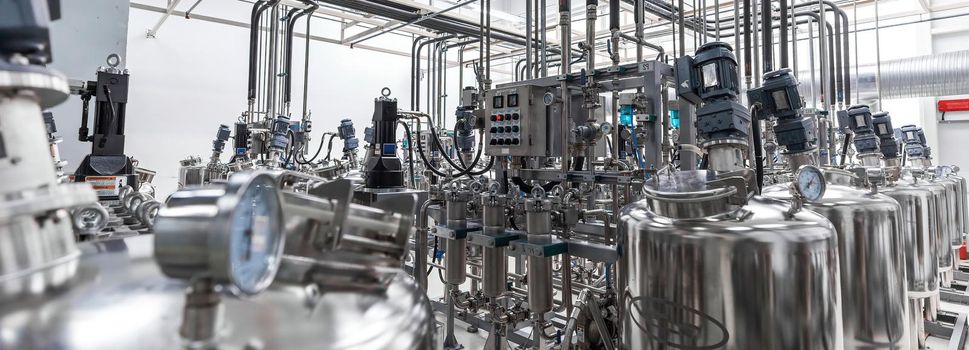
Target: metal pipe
783,35
258,8
528,43
293,15
748,70
411,22
544,40
640,43
565,29
306,69
420,247
878,55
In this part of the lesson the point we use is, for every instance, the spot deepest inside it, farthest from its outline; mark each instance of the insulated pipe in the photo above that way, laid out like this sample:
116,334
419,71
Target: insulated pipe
785,12
748,69
292,16
614,14
768,35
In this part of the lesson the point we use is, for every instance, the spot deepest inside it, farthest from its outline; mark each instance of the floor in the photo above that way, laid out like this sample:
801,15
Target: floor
476,341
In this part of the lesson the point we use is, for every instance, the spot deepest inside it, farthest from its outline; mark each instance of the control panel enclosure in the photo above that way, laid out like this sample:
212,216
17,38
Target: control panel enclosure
516,122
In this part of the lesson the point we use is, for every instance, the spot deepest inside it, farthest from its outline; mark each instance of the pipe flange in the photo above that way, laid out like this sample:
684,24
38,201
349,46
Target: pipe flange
50,86
62,196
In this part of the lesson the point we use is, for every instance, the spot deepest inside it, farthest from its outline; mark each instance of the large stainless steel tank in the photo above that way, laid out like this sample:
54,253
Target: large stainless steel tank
919,216
701,273
944,225
118,299
953,207
919,220
870,247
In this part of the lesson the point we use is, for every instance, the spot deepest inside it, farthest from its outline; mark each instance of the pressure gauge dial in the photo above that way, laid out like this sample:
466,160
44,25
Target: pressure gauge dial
231,232
809,183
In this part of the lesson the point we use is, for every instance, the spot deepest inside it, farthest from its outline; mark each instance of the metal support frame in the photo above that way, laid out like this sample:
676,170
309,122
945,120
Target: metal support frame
153,31
950,326
419,19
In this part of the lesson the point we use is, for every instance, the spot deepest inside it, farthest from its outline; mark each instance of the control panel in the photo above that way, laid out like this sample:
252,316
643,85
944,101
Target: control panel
516,119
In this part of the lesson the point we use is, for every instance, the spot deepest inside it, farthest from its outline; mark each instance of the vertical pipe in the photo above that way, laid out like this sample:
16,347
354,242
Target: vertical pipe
839,78
565,22
785,63
814,94
846,70
822,55
306,68
854,12
716,18
878,57
793,40
756,42
748,69
543,55
682,26
638,17
528,40
768,35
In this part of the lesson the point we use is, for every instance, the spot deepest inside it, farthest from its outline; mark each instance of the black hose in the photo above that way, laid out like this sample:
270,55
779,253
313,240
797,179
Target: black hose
447,158
420,151
317,154
844,148
758,149
410,154
329,147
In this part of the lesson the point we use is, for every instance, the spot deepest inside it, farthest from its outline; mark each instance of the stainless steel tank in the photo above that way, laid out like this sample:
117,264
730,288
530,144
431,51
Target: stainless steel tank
118,299
953,207
870,248
919,214
943,226
701,273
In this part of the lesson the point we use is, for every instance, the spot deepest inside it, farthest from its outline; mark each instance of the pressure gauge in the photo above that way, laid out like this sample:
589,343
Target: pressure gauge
809,183
230,232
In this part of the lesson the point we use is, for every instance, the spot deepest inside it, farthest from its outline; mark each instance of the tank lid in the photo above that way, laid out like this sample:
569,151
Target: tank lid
698,193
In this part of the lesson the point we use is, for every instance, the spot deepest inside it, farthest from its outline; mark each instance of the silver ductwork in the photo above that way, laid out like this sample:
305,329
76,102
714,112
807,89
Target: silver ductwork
943,74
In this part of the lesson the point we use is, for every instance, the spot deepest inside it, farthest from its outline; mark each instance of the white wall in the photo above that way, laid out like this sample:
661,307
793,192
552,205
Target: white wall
81,40
192,77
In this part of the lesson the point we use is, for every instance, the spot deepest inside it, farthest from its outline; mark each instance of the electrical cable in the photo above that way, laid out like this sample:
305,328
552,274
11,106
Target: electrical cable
318,150
329,147
410,153
292,148
420,151
461,171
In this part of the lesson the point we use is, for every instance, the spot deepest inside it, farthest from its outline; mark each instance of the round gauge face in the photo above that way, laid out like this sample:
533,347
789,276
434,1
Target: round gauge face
255,236
810,183
548,98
